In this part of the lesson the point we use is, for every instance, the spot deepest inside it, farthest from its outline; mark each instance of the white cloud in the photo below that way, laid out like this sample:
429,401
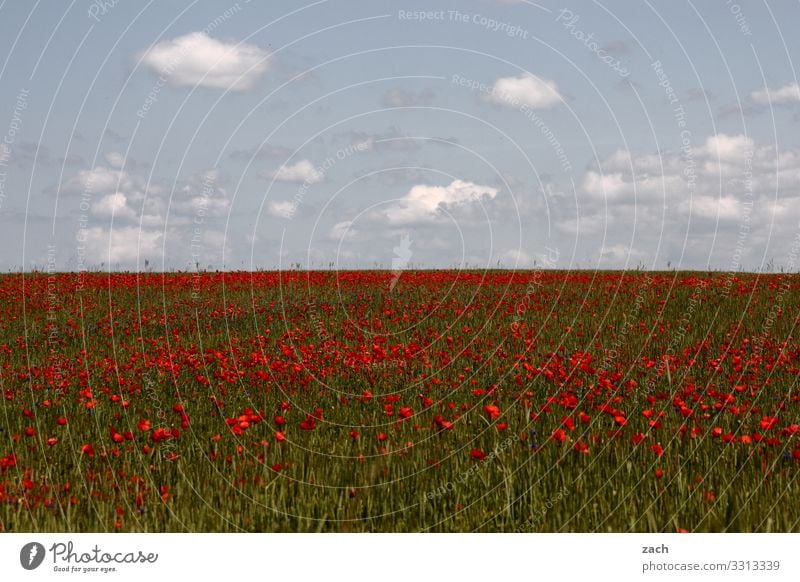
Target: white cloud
282,208
784,95
196,59
342,230
423,203
116,160
524,90
113,205
127,244
301,172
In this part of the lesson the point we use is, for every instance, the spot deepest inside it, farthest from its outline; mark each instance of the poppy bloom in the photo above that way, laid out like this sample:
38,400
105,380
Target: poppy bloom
768,422
309,423
559,435
492,411
477,455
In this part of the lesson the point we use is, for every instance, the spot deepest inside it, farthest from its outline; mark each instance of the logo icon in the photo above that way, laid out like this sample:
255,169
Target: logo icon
402,255
31,555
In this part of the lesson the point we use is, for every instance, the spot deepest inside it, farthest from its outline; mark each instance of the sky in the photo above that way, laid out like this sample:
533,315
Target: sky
384,134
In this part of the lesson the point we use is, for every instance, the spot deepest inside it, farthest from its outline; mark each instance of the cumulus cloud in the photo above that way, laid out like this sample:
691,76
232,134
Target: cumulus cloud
785,95
425,203
148,213
128,244
115,205
524,90
282,208
719,202
301,172
196,59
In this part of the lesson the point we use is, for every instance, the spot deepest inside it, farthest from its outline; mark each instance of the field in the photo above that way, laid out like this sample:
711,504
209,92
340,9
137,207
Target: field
537,401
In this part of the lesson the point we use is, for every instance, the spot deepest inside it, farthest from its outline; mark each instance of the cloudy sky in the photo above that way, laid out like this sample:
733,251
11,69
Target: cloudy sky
335,133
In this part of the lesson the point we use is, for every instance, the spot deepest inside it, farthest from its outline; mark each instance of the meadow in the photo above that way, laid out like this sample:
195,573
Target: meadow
453,401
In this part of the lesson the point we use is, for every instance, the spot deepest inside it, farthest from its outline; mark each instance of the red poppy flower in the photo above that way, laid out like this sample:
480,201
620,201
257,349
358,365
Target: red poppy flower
477,455
768,422
309,423
492,411
559,435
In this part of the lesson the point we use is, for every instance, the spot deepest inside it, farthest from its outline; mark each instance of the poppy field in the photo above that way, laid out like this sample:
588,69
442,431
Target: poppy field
447,401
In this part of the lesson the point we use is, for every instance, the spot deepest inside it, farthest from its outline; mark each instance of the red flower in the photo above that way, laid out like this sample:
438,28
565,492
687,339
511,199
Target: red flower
620,420
659,473
382,436
61,421
657,449
584,418
568,423
279,420
559,435
768,422
144,425
280,437
309,423
405,412
87,450
477,455
354,435
492,411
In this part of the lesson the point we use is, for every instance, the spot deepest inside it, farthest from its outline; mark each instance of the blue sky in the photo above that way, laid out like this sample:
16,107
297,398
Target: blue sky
487,132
